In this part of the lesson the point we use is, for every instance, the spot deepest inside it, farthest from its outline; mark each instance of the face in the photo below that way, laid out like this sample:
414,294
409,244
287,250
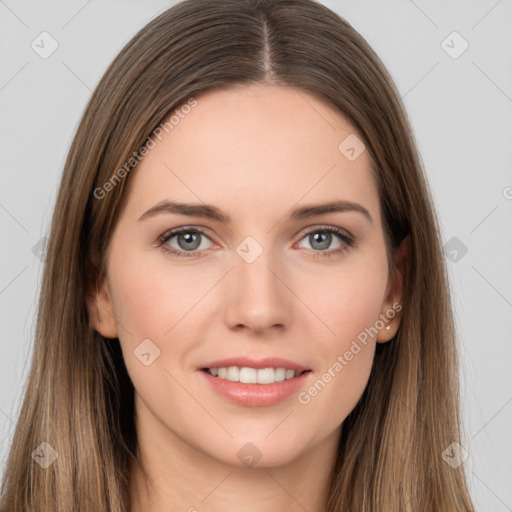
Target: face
244,280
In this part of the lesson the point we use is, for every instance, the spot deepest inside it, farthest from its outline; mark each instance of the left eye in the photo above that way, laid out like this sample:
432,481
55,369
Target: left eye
321,239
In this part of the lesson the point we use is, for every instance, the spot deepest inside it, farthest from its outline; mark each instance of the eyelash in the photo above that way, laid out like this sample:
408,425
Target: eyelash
348,241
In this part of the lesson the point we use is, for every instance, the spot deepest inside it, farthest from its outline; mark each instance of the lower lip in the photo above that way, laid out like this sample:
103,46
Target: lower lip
256,395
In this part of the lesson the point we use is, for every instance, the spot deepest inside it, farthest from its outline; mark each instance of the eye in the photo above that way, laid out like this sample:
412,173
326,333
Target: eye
188,240
321,238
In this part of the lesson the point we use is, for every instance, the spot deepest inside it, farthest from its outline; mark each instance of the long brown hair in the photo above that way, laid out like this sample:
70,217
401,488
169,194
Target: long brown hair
79,398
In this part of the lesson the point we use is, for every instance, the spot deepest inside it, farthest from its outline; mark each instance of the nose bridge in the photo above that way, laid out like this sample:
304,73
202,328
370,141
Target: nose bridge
257,298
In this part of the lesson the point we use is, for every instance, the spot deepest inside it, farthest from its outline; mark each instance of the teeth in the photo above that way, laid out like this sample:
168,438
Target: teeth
266,376
233,373
248,375
280,374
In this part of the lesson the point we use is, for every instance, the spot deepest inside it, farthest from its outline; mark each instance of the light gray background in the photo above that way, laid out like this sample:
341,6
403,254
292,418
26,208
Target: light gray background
461,111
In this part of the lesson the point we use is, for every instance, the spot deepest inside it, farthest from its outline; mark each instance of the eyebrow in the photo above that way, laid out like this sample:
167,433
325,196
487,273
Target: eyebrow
209,211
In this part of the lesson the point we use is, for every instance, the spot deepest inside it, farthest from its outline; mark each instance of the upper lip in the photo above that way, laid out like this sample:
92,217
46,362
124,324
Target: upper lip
266,362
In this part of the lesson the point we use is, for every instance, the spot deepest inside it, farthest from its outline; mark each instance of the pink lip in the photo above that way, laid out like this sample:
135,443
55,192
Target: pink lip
256,395
267,362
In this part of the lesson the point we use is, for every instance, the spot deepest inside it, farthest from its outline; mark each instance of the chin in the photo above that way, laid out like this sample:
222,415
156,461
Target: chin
259,451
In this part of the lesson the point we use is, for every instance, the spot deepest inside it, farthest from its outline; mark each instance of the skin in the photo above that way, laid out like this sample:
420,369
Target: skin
254,152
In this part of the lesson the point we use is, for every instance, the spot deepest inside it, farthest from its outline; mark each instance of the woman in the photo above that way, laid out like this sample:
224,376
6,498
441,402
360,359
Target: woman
198,345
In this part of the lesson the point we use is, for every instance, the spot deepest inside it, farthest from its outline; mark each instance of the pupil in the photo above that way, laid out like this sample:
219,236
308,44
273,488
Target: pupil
189,238
325,239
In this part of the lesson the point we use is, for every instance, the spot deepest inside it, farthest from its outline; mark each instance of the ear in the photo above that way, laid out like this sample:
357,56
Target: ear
101,309
391,313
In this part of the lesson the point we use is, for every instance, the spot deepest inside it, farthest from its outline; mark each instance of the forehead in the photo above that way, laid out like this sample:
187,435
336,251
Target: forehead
256,147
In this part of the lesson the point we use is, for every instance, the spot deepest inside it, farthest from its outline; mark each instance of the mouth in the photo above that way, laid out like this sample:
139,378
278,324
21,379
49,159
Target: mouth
255,382
251,375
250,383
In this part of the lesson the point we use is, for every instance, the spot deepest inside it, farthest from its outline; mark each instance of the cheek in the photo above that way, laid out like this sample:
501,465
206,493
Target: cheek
346,363
150,296
348,299
349,303
151,304
155,301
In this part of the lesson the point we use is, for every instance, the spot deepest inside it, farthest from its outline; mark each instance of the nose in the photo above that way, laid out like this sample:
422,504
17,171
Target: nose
258,298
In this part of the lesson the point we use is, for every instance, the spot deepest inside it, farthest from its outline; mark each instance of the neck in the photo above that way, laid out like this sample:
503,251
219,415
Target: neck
182,477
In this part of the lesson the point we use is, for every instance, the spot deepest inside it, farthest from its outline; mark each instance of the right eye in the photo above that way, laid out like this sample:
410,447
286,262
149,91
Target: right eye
189,241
